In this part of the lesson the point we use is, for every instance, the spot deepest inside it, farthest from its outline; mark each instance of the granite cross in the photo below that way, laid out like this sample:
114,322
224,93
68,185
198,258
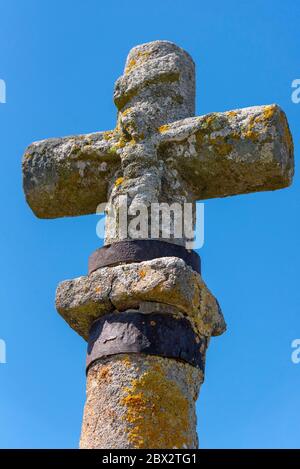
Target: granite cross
141,390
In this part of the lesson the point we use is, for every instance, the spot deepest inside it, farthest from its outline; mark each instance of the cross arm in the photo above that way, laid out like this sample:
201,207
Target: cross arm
69,176
235,152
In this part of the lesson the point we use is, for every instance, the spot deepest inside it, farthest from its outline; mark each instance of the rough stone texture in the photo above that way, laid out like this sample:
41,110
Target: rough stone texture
141,401
167,280
235,152
158,152
159,82
69,176
158,86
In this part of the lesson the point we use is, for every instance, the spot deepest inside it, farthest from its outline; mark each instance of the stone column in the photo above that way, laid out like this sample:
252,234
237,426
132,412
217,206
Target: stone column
137,401
142,400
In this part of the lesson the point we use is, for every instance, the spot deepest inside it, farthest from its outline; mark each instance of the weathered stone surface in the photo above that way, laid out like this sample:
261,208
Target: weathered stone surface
69,176
137,401
158,152
167,280
235,152
158,86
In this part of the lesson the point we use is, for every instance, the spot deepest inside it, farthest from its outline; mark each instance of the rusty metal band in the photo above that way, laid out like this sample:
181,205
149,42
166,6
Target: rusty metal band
123,252
154,334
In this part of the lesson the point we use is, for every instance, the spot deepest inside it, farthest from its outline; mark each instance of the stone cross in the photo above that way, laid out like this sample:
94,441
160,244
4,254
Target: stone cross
149,319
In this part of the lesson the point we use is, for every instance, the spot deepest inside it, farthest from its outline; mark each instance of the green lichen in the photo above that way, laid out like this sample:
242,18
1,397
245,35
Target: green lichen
113,150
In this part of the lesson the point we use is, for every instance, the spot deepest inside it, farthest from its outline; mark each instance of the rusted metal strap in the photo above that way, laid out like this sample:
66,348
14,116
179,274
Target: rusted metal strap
159,334
139,251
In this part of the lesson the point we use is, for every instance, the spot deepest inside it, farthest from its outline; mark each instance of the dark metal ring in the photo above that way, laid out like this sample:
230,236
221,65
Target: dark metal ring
154,334
139,251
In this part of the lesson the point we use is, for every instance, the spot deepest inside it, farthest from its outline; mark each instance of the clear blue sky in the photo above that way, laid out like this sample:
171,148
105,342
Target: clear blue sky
60,60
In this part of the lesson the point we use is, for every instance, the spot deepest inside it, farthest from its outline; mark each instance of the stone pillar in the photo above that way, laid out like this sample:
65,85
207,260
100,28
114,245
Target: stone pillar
149,325
137,401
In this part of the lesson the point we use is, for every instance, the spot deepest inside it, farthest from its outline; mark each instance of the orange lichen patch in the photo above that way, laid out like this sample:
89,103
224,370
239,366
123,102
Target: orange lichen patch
124,141
127,111
163,128
208,120
131,65
121,142
97,289
119,181
232,113
104,372
251,135
126,361
142,273
132,141
269,111
157,411
263,118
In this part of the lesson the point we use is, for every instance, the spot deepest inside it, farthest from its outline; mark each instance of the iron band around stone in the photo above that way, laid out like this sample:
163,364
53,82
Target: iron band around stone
141,250
154,334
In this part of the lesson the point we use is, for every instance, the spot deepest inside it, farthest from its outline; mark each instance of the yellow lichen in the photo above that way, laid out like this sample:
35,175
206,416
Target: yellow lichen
157,411
163,128
104,373
232,113
251,135
121,143
126,361
108,134
263,118
124,141
139,58
269,112
130,66
142,273
119,181
208,120
127,111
